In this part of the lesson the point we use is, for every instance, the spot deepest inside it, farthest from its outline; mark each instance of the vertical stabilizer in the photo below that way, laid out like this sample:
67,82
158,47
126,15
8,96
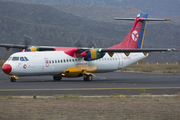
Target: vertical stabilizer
135,37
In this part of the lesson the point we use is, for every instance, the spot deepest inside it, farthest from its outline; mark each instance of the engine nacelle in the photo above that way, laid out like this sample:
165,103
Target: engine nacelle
92,54
39,48
33,49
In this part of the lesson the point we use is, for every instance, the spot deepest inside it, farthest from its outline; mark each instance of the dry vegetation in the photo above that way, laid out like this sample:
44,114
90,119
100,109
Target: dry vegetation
78,108
162,68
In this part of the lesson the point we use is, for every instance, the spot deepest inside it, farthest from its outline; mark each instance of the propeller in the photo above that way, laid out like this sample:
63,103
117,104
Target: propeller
80,44
27,41
26,44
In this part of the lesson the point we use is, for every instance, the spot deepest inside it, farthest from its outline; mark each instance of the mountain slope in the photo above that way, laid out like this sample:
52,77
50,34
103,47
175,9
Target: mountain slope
49,26
153,7
98,13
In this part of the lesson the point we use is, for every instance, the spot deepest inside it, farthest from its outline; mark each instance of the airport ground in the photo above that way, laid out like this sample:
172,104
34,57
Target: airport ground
67,102
78,108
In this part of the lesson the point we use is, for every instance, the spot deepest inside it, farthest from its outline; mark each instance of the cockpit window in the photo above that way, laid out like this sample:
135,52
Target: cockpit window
15,58
22,59
26,58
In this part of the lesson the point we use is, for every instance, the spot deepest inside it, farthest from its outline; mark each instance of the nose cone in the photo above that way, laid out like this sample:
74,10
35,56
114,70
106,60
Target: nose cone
7,68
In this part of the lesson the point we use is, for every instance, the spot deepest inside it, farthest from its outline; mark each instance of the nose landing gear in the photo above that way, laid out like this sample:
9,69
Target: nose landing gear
13,78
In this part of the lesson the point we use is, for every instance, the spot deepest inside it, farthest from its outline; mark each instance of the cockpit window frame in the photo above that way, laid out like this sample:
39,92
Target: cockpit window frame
10,58
26,59
13,59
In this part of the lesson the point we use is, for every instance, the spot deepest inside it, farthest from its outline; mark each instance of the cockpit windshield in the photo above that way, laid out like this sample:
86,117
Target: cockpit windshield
18,59
15,58
22,59
26,58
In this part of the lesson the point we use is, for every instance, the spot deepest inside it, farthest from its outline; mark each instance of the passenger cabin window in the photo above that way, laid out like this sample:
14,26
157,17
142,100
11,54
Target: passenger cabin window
15,58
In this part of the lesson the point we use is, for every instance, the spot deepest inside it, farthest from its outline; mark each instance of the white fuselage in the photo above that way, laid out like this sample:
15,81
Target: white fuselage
55,62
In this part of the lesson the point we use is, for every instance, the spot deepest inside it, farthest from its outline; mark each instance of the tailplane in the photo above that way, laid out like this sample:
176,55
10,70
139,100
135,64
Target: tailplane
135,38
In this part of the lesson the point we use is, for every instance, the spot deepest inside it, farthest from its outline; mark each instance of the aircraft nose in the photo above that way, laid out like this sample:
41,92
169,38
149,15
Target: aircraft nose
7,68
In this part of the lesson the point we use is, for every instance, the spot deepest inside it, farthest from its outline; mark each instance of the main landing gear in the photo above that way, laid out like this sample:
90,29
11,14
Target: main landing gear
57,78
87,77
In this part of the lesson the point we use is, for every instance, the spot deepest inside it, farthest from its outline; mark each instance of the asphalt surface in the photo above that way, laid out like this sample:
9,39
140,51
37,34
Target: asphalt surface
103,84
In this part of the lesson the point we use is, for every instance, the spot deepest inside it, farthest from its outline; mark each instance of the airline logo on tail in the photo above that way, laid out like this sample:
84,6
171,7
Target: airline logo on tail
135,35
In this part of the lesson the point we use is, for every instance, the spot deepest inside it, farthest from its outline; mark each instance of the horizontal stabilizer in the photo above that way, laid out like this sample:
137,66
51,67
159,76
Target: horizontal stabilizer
154,19
144,19
125,19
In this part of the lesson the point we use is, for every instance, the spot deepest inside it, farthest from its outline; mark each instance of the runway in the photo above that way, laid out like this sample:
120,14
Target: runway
103,84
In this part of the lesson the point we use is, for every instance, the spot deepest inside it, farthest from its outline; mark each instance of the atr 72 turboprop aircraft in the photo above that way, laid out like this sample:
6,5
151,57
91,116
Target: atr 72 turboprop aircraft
79,62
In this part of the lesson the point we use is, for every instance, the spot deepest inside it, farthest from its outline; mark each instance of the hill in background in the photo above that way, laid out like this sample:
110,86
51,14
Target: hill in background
49,26
153,7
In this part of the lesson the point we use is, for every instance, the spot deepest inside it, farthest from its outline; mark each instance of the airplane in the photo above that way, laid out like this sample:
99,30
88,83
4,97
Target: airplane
80,61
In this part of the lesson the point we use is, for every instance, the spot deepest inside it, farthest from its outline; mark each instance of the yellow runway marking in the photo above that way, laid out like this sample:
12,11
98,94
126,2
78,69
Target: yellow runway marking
146,88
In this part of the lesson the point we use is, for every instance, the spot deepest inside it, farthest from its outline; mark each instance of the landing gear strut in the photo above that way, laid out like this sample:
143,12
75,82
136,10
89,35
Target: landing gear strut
13,79
87,77
57,78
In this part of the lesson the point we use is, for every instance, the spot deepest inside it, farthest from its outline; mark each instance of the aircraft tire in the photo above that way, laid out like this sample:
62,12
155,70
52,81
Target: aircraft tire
56,78
13,79
87,77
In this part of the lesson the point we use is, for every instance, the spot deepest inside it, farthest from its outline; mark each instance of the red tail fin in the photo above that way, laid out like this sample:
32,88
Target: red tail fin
135,37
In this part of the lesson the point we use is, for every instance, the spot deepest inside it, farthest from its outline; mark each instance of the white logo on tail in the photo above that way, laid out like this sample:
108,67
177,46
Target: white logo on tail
135,35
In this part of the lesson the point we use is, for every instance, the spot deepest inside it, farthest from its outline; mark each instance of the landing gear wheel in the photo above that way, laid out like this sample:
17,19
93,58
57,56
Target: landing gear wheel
56,78
87,77
13,79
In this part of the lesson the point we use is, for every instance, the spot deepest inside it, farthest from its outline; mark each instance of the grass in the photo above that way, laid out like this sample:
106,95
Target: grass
73,107
34,96
153,68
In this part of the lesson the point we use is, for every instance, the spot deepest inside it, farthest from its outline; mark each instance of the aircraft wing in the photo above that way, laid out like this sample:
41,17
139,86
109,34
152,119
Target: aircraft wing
125,51
138,50
70,51
40,48
128,51
13,46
